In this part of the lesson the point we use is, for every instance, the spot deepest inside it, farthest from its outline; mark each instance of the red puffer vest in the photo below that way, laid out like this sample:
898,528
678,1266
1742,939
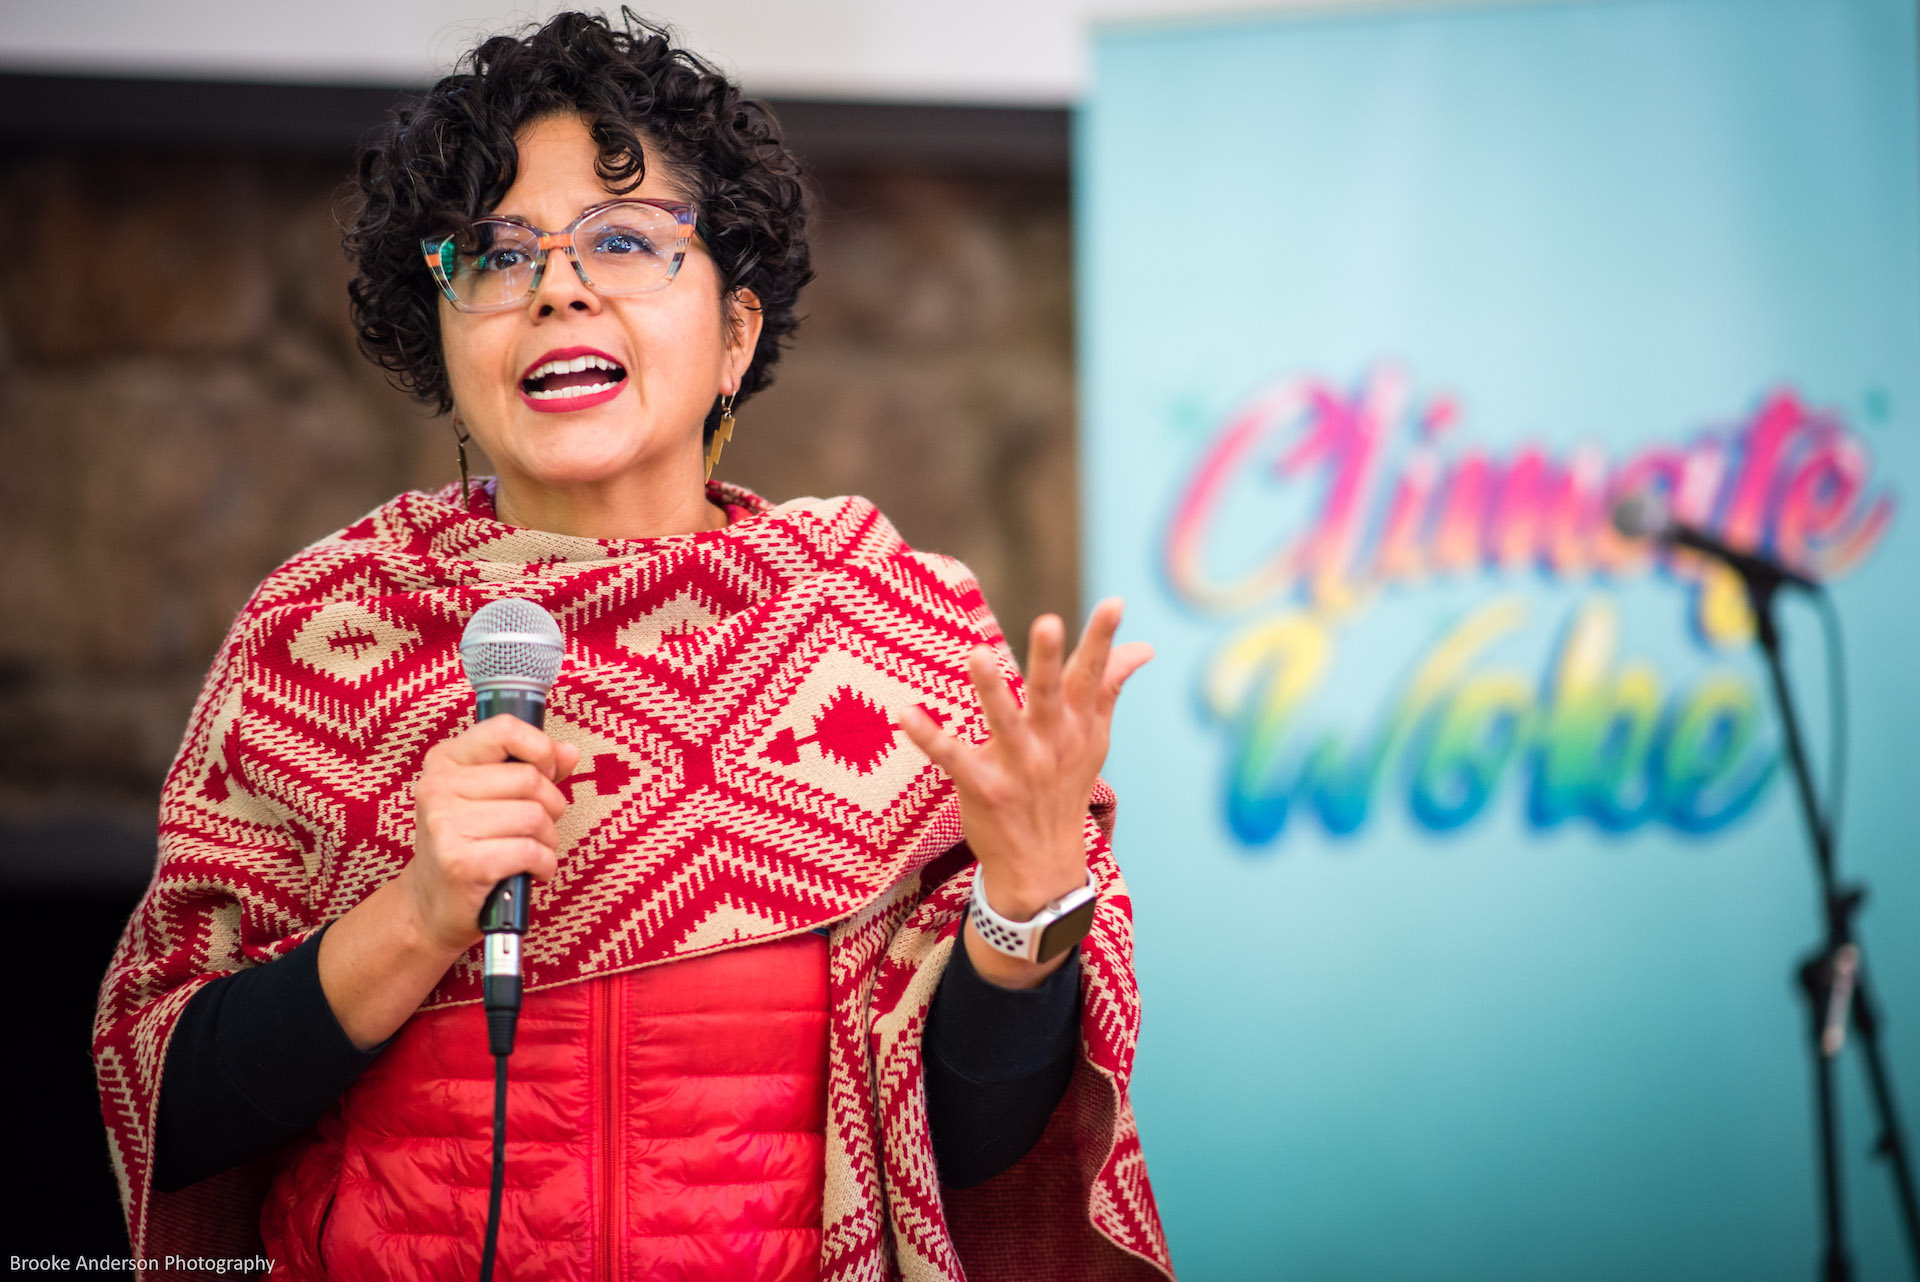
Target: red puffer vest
666,1123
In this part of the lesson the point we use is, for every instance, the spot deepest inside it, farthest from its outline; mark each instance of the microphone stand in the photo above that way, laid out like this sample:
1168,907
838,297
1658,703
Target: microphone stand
1834,979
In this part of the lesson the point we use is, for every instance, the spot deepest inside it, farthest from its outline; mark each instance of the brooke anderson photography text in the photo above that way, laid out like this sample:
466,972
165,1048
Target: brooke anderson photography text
127,1264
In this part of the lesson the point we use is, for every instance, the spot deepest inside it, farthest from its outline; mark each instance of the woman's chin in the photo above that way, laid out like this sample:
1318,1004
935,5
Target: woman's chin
591,466
620,440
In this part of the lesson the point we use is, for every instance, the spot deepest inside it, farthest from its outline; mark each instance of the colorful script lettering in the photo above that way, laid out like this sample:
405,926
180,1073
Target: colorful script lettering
1598,736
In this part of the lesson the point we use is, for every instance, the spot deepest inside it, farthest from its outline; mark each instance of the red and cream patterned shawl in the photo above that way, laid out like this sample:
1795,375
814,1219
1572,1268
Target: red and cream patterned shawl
731,694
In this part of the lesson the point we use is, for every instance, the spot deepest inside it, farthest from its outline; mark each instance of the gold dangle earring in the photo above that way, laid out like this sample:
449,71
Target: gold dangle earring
721,434
460,439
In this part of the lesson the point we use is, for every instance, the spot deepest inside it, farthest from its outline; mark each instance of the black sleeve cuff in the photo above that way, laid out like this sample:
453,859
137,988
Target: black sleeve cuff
992,1034
255,1058
997,1063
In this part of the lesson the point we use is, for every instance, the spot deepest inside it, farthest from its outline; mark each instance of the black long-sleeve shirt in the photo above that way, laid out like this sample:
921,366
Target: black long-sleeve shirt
257,1056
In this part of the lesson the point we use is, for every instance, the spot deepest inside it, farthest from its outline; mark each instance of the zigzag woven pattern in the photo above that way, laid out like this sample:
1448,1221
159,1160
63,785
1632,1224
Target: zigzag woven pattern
732,695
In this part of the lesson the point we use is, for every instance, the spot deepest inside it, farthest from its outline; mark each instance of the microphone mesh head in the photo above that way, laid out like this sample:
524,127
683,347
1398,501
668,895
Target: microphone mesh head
1640,516
511,645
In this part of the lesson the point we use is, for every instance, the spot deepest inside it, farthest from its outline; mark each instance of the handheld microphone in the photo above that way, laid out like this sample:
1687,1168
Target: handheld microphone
1644,516
511,651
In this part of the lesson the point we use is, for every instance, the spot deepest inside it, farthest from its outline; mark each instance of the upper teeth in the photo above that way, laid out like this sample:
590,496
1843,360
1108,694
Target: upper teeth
574,366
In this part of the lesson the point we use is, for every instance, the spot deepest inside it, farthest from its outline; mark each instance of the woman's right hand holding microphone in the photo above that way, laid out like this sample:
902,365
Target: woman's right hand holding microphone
487,806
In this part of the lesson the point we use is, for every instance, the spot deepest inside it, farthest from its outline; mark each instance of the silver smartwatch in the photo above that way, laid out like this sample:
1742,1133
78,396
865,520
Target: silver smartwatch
1055,928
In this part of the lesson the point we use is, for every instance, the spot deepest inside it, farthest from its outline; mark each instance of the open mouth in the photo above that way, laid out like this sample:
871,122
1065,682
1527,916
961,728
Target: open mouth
565,379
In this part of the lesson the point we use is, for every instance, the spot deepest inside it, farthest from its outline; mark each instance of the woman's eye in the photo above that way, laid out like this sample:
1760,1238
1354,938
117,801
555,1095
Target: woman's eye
499,260
622,241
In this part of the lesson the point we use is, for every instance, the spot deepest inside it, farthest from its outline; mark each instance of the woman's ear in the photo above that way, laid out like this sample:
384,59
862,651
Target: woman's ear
743,330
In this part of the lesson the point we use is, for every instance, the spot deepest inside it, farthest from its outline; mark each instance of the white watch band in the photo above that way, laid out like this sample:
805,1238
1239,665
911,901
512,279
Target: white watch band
1022,938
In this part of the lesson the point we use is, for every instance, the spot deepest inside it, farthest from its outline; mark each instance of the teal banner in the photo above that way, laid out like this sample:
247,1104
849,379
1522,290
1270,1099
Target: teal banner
1469,879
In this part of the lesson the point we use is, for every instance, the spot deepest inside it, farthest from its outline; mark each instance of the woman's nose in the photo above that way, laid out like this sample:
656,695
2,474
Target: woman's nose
563,288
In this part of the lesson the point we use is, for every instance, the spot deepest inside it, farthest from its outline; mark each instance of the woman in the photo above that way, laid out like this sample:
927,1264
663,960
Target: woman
788,793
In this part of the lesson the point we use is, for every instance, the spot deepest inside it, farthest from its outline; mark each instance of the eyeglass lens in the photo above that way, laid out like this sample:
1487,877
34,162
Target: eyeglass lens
623,249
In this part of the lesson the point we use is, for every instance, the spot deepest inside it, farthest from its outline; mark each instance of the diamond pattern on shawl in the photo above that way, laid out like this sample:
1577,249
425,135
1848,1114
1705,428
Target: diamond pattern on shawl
681,615
327,690
348,642
849,729
825,724
614,781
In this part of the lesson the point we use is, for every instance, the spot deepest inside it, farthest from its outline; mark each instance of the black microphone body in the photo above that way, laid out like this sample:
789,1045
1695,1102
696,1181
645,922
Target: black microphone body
504,916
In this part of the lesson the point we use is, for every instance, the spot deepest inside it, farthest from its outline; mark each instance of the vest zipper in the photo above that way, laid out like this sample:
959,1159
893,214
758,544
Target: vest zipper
609,1196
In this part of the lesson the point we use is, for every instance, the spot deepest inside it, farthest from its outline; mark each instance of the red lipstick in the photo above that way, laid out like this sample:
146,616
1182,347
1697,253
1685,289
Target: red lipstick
571,378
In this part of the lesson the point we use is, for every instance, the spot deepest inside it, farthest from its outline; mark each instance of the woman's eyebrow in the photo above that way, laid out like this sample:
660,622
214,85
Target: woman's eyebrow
501,212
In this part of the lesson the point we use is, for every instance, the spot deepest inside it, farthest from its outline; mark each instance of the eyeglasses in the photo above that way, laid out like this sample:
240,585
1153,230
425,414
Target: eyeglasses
621,247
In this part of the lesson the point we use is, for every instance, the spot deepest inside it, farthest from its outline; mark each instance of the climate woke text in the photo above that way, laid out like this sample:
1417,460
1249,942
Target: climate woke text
1394,504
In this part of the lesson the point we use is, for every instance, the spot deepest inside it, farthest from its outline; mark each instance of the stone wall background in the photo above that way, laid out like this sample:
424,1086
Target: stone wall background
178,417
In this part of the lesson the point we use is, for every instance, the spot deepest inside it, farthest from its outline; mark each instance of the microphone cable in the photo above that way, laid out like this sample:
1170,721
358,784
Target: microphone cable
497,1184
1836,655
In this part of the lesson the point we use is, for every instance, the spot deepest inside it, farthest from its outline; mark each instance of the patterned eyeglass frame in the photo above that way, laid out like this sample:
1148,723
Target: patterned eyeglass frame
546,241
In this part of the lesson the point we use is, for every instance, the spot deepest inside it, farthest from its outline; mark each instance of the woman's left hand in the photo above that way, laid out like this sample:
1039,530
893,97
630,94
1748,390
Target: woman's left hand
1024,792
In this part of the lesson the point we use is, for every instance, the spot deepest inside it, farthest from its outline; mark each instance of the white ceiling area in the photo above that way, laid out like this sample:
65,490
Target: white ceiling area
981,51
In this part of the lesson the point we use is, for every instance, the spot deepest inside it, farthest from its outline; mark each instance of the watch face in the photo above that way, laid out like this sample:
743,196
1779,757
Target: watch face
1065,931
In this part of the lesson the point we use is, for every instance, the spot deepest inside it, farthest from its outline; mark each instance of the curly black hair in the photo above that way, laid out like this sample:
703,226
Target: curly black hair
449,156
